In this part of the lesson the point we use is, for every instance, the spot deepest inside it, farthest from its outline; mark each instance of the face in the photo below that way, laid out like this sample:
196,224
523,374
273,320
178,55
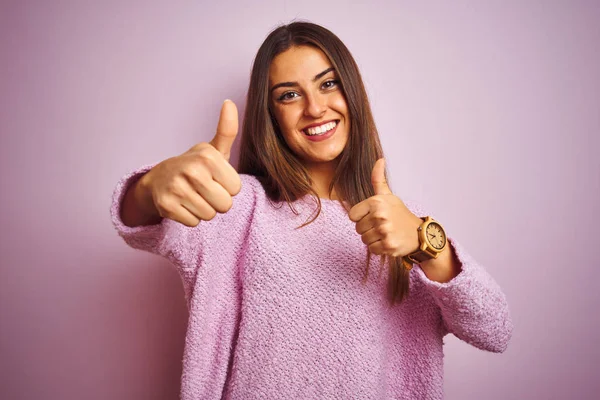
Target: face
307,101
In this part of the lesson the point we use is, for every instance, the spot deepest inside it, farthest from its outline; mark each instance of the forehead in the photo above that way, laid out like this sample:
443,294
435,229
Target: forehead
298,63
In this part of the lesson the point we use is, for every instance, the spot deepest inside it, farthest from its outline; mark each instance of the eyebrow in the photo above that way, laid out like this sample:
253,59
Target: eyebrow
295,84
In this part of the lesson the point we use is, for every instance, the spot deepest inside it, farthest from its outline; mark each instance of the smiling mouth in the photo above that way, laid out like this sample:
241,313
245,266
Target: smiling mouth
321,129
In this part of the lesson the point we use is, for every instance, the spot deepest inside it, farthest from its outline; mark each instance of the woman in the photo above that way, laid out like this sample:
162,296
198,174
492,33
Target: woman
275,260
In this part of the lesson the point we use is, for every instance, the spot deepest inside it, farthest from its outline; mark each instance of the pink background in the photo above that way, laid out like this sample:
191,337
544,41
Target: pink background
503,97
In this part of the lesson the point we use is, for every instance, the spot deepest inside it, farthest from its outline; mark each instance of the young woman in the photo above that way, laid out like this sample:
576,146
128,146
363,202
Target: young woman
275,257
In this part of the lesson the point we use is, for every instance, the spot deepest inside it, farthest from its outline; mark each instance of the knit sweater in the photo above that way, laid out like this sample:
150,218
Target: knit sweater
277,312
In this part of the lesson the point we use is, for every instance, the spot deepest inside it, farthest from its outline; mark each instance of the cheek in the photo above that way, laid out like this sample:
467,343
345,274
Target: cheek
286,118
339,104
287,125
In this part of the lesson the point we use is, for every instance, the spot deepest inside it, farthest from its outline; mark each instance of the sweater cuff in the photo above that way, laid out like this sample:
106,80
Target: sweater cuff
142,234
472,305
467,264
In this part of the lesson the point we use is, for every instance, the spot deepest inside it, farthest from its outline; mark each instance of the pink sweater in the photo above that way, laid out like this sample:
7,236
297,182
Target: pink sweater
281,313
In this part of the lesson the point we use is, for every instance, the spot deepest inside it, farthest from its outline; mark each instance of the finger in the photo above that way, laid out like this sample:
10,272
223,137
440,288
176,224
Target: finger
377,248
197,206
364,225
359,211
214,194
225,175
227,129
370,237
183,215
378,180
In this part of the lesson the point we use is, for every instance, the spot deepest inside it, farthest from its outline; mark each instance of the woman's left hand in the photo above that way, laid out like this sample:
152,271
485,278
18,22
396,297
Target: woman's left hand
384,222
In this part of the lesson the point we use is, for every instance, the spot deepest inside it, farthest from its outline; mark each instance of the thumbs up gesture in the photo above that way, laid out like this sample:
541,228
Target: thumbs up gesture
199,183
384,222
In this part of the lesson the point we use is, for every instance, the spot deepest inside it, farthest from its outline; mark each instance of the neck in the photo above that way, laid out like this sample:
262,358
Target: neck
321,175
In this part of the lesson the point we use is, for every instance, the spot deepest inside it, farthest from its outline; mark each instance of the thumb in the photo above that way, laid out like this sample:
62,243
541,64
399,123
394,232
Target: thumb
378,178
227,129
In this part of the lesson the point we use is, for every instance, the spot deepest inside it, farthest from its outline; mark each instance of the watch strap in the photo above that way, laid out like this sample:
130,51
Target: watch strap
419,256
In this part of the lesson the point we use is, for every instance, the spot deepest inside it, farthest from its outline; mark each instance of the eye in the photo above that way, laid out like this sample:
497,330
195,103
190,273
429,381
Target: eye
287,96
330,84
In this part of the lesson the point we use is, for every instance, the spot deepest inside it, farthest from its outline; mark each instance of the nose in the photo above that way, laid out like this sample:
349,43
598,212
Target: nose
315,106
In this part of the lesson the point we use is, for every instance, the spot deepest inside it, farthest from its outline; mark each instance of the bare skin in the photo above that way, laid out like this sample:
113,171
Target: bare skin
312,96
191,187
308,103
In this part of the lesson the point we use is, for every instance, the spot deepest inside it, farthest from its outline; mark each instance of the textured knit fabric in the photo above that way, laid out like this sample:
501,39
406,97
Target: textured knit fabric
277,312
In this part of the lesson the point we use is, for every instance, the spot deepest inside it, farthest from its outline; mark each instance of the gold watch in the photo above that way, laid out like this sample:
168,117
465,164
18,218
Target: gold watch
432,241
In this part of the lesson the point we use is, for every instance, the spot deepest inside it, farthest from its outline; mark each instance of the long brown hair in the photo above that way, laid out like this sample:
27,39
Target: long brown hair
265,154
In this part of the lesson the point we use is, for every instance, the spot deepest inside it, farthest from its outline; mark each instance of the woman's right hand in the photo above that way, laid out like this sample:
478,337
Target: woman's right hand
199,183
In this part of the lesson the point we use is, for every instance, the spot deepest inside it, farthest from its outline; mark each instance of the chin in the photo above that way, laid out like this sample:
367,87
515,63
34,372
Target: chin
323,159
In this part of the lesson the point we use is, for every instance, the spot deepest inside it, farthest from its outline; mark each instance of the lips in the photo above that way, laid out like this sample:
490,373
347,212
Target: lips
325,131
320,128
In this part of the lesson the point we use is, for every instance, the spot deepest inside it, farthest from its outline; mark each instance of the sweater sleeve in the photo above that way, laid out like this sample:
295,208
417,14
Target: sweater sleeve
472,305
184,246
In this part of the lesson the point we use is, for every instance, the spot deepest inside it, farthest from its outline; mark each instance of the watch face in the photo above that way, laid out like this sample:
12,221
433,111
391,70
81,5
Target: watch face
436,236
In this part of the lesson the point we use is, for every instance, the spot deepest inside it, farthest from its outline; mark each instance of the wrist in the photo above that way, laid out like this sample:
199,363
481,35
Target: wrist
143,197
442,269
431,239
142,193
417,221
137,207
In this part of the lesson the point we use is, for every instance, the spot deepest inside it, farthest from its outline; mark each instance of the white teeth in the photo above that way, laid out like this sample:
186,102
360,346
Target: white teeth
319,130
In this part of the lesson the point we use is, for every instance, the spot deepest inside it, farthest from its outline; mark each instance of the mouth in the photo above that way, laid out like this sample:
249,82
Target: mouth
320,130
